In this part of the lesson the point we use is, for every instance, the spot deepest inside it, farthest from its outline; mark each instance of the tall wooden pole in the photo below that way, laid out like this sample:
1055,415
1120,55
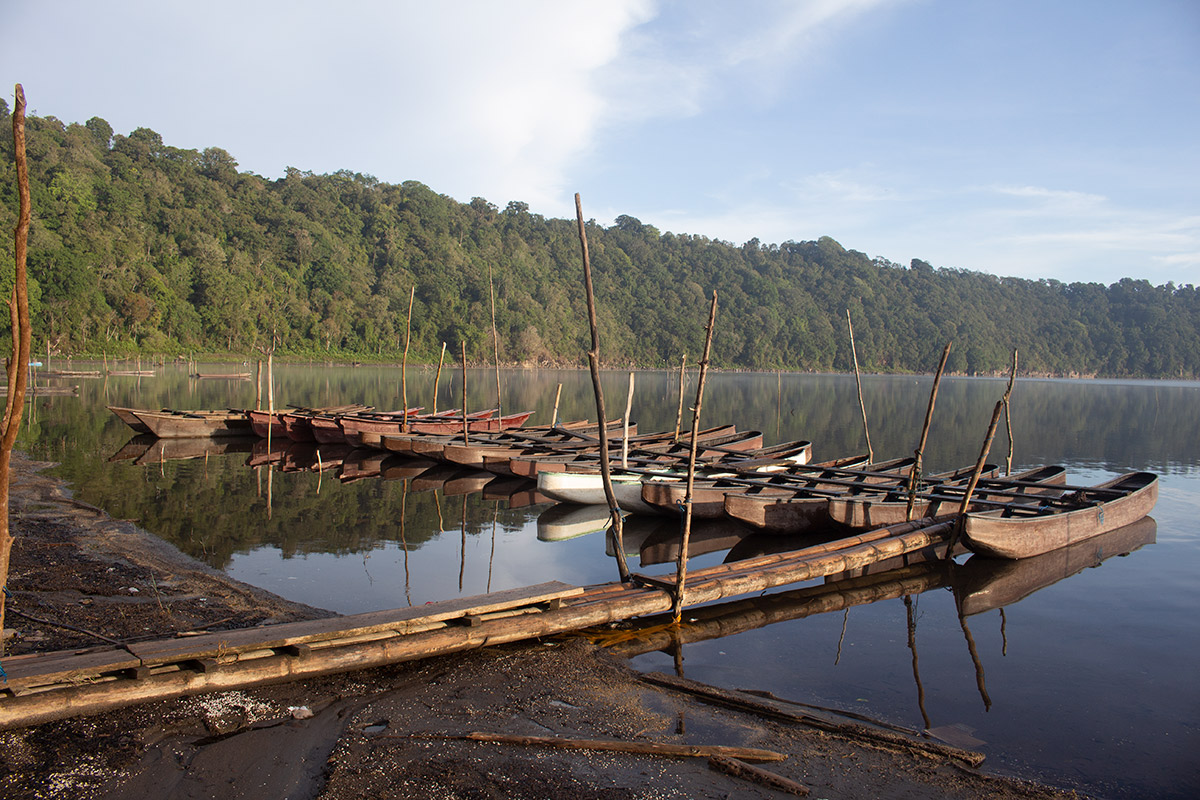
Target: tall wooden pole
258,375
858,379
625,429
412,293
681,565
464,392
594,364
18,373
554,416
679,410
495,344
437,378
1012,377
915,476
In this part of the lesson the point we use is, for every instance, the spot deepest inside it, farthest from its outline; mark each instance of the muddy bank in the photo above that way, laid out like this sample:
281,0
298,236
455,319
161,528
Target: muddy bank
383,732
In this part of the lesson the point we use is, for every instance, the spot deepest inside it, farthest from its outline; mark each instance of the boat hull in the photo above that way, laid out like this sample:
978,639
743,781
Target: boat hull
993,533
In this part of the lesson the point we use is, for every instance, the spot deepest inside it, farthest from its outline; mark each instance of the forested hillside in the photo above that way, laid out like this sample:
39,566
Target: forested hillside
138,246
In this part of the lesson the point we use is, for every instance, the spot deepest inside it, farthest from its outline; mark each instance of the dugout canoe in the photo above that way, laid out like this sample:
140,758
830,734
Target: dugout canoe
784,510
1023,531
130,418
944,495
172,424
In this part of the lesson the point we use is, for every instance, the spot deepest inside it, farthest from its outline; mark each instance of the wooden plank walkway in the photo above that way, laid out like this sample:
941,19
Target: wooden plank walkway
42,687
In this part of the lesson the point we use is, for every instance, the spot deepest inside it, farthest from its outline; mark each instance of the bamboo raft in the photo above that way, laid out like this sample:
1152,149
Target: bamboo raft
48,686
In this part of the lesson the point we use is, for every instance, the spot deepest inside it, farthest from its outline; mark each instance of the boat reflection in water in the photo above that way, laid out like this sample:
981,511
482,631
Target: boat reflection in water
983,584
146,448
980,584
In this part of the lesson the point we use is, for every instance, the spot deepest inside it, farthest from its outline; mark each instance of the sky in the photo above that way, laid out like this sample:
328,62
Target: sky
1030,138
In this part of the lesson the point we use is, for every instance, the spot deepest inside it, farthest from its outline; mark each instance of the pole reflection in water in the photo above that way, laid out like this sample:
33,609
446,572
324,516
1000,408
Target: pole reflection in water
910,608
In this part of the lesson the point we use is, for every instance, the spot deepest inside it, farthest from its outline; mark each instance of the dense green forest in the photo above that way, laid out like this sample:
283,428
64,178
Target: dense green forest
140,247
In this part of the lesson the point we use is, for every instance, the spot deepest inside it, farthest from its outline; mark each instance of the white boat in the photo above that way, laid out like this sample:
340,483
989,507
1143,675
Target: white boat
587,488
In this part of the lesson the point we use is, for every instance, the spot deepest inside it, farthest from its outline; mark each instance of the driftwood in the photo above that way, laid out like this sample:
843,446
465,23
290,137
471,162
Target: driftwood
620,746
860,733
740,769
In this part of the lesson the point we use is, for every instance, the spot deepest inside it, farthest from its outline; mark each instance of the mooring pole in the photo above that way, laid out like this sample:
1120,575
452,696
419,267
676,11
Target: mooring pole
594,364
681,567
404,363
1012,377
915,476
858,379
625,432
437,378
495,348
464,392
679,410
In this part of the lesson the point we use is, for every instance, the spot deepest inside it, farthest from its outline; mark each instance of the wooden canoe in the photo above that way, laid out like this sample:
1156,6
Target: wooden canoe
583,488
1023,531
169,424
663,455
391,423
475,423
711,492
264,422
778,509
130,418
936,497
588,453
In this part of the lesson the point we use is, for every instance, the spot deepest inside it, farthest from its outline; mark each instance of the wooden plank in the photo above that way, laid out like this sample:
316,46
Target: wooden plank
63,666
399,620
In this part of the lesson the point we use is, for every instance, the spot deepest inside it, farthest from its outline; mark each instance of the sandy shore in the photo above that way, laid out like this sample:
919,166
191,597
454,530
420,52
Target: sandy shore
390,732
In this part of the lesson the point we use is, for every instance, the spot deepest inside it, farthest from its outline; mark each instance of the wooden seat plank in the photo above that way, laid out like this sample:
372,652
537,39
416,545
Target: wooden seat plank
398,619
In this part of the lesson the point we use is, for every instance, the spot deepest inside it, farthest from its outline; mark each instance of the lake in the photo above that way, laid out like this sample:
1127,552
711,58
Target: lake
1081,677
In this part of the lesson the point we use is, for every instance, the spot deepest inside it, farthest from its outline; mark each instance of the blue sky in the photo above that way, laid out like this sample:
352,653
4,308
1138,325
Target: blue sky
1034,138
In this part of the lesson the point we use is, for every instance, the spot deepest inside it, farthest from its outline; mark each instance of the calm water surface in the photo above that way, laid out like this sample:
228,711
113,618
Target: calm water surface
1086,681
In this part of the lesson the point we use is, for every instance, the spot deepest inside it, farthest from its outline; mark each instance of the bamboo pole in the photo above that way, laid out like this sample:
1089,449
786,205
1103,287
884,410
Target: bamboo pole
437,378
639,747
858,380
915,475
258,375
466,434
679,409
18,373
594,365
681,566
557,395
412,293
1012,377
495,344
